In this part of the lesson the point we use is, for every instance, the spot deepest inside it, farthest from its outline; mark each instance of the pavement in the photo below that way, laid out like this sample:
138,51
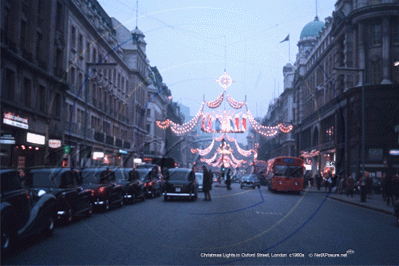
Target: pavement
374,202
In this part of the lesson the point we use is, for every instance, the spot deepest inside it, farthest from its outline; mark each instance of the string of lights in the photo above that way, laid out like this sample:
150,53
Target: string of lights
216,103
233,103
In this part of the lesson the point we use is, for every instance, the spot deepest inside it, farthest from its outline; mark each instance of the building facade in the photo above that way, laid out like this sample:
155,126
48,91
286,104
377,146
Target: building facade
33,82
354,51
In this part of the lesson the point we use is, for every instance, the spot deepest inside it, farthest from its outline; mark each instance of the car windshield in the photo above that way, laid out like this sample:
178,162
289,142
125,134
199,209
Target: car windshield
288,171
179,175
144,173
121,174
90,176
50,178
248,178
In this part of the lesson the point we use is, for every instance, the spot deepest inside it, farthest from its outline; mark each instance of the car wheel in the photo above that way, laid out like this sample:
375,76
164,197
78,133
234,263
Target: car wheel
259,186
165,198
49,228
90,210
7,239
254,187
241,187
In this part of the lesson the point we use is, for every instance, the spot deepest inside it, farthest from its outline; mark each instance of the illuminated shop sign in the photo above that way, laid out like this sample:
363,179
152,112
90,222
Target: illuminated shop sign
7,139
394,152
15,120
35,138
122,152
98,155
54,143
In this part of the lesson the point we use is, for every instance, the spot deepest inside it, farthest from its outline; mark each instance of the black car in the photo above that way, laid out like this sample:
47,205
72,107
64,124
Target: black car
134,188
251,180
65,185
181,184
152,181
23,212
104,190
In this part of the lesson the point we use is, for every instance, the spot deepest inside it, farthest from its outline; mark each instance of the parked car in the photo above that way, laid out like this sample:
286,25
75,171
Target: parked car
200,179
152,181
23,212
180,185
251,180
65,185
104,190
134,188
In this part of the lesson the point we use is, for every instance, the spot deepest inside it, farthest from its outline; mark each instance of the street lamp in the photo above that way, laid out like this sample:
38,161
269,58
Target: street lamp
87,74
354,71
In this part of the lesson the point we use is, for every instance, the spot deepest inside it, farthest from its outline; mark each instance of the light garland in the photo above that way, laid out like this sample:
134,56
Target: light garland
233,103
163,124
183,129
244,153
216,103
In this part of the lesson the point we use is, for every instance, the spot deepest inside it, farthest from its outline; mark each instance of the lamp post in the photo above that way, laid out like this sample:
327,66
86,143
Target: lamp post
87,74
354,71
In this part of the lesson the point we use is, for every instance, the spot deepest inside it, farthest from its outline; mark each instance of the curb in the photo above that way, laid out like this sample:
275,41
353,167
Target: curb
362,205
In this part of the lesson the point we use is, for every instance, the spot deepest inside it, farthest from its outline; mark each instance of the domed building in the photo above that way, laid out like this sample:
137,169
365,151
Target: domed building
312,29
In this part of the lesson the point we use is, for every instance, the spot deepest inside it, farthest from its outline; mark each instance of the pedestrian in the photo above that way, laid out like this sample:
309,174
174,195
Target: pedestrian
369,185
206,183
133,175
318,180
228,179
350,186
383,181
333,185
389,183
327,181
396,187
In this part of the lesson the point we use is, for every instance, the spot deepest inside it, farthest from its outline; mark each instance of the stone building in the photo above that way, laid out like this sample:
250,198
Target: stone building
359,41
33,81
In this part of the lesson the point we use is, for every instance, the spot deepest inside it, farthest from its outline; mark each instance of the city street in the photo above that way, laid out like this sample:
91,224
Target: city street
240,226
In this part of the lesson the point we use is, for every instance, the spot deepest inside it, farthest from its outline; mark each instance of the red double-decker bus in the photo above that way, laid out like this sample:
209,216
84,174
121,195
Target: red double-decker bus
285,174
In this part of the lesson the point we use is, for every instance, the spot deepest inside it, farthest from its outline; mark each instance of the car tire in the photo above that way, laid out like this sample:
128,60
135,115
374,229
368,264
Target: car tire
253,187
259,186
165,198
49,228
241,187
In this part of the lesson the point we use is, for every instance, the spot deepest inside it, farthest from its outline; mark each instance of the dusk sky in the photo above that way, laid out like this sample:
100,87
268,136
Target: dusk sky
193,42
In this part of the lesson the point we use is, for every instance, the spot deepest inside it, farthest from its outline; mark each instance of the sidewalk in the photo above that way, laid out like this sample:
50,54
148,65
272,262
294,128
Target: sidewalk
375,203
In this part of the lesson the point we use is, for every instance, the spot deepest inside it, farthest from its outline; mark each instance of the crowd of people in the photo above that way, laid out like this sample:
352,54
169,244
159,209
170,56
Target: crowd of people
387,185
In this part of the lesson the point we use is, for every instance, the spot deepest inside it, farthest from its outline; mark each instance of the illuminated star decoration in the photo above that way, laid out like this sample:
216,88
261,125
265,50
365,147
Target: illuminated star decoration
224,81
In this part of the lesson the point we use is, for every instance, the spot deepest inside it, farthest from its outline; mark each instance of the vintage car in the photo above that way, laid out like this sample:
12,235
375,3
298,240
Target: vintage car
152,181
23,212
133,187
104,190
181,184
65,185
250,180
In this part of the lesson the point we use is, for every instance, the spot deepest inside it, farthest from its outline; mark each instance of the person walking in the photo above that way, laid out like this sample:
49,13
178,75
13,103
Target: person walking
350,185
206,184
369,186
383,182
389,183
133,175
228,179
318,180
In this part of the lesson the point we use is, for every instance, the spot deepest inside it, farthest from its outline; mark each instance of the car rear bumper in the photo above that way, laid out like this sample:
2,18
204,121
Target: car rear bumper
178,194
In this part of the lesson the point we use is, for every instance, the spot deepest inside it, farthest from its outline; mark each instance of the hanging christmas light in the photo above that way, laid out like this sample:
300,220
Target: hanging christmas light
233,103
216,103
244,153
163,124
183,129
